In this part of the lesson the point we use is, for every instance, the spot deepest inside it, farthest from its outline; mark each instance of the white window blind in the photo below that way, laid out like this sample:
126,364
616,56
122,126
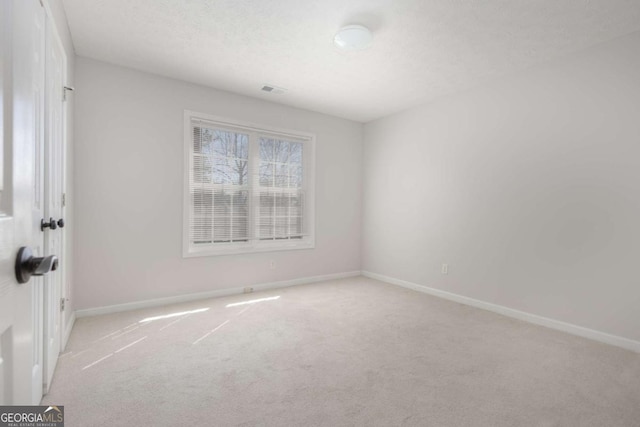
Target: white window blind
248,188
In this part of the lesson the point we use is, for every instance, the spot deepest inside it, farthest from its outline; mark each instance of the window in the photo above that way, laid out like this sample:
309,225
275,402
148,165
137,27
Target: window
247,188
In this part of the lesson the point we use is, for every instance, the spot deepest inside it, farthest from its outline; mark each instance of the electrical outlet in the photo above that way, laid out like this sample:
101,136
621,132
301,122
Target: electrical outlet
445,268
272,264
247,290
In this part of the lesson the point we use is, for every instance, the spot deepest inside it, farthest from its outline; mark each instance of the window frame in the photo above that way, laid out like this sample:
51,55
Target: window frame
255,131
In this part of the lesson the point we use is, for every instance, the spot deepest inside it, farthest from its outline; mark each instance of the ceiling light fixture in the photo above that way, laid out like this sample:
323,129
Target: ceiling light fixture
353,37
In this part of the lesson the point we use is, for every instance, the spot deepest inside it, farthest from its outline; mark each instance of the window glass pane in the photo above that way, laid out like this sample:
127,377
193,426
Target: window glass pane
295,175
220,158
230,152
266,149
266,174
281,175
296,153
281,151
207,141
221,171
281,167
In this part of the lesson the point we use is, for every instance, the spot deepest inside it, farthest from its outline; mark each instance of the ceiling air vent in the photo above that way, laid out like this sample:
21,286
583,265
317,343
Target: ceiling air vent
273,89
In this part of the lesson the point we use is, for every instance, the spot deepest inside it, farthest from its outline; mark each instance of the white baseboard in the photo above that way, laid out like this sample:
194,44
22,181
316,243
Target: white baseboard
67,331
209,294
603,337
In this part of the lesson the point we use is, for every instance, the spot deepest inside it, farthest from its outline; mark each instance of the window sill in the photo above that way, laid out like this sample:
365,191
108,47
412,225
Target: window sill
245,249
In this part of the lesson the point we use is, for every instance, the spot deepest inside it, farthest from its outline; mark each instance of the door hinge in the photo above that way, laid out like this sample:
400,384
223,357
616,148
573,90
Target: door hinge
66,89
62,304
64,199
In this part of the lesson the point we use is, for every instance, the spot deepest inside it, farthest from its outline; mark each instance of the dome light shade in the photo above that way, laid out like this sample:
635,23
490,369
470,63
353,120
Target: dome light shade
353,37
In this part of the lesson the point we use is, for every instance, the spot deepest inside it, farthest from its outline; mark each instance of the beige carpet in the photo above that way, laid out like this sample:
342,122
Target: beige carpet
340,353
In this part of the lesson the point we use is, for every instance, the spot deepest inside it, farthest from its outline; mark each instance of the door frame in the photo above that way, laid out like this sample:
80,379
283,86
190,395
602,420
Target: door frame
52,31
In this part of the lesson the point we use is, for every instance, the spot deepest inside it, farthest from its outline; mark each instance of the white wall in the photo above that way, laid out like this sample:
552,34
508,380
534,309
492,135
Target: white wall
60,21
528,188
129,128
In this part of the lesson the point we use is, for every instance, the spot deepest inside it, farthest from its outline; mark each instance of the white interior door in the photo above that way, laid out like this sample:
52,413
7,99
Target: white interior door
22,198
53,235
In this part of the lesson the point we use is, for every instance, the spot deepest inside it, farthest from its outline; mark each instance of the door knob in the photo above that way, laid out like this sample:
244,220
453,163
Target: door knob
27,265
51,224
61,223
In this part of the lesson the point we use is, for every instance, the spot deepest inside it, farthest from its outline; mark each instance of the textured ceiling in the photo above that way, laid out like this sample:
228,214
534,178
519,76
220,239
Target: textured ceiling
422,49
